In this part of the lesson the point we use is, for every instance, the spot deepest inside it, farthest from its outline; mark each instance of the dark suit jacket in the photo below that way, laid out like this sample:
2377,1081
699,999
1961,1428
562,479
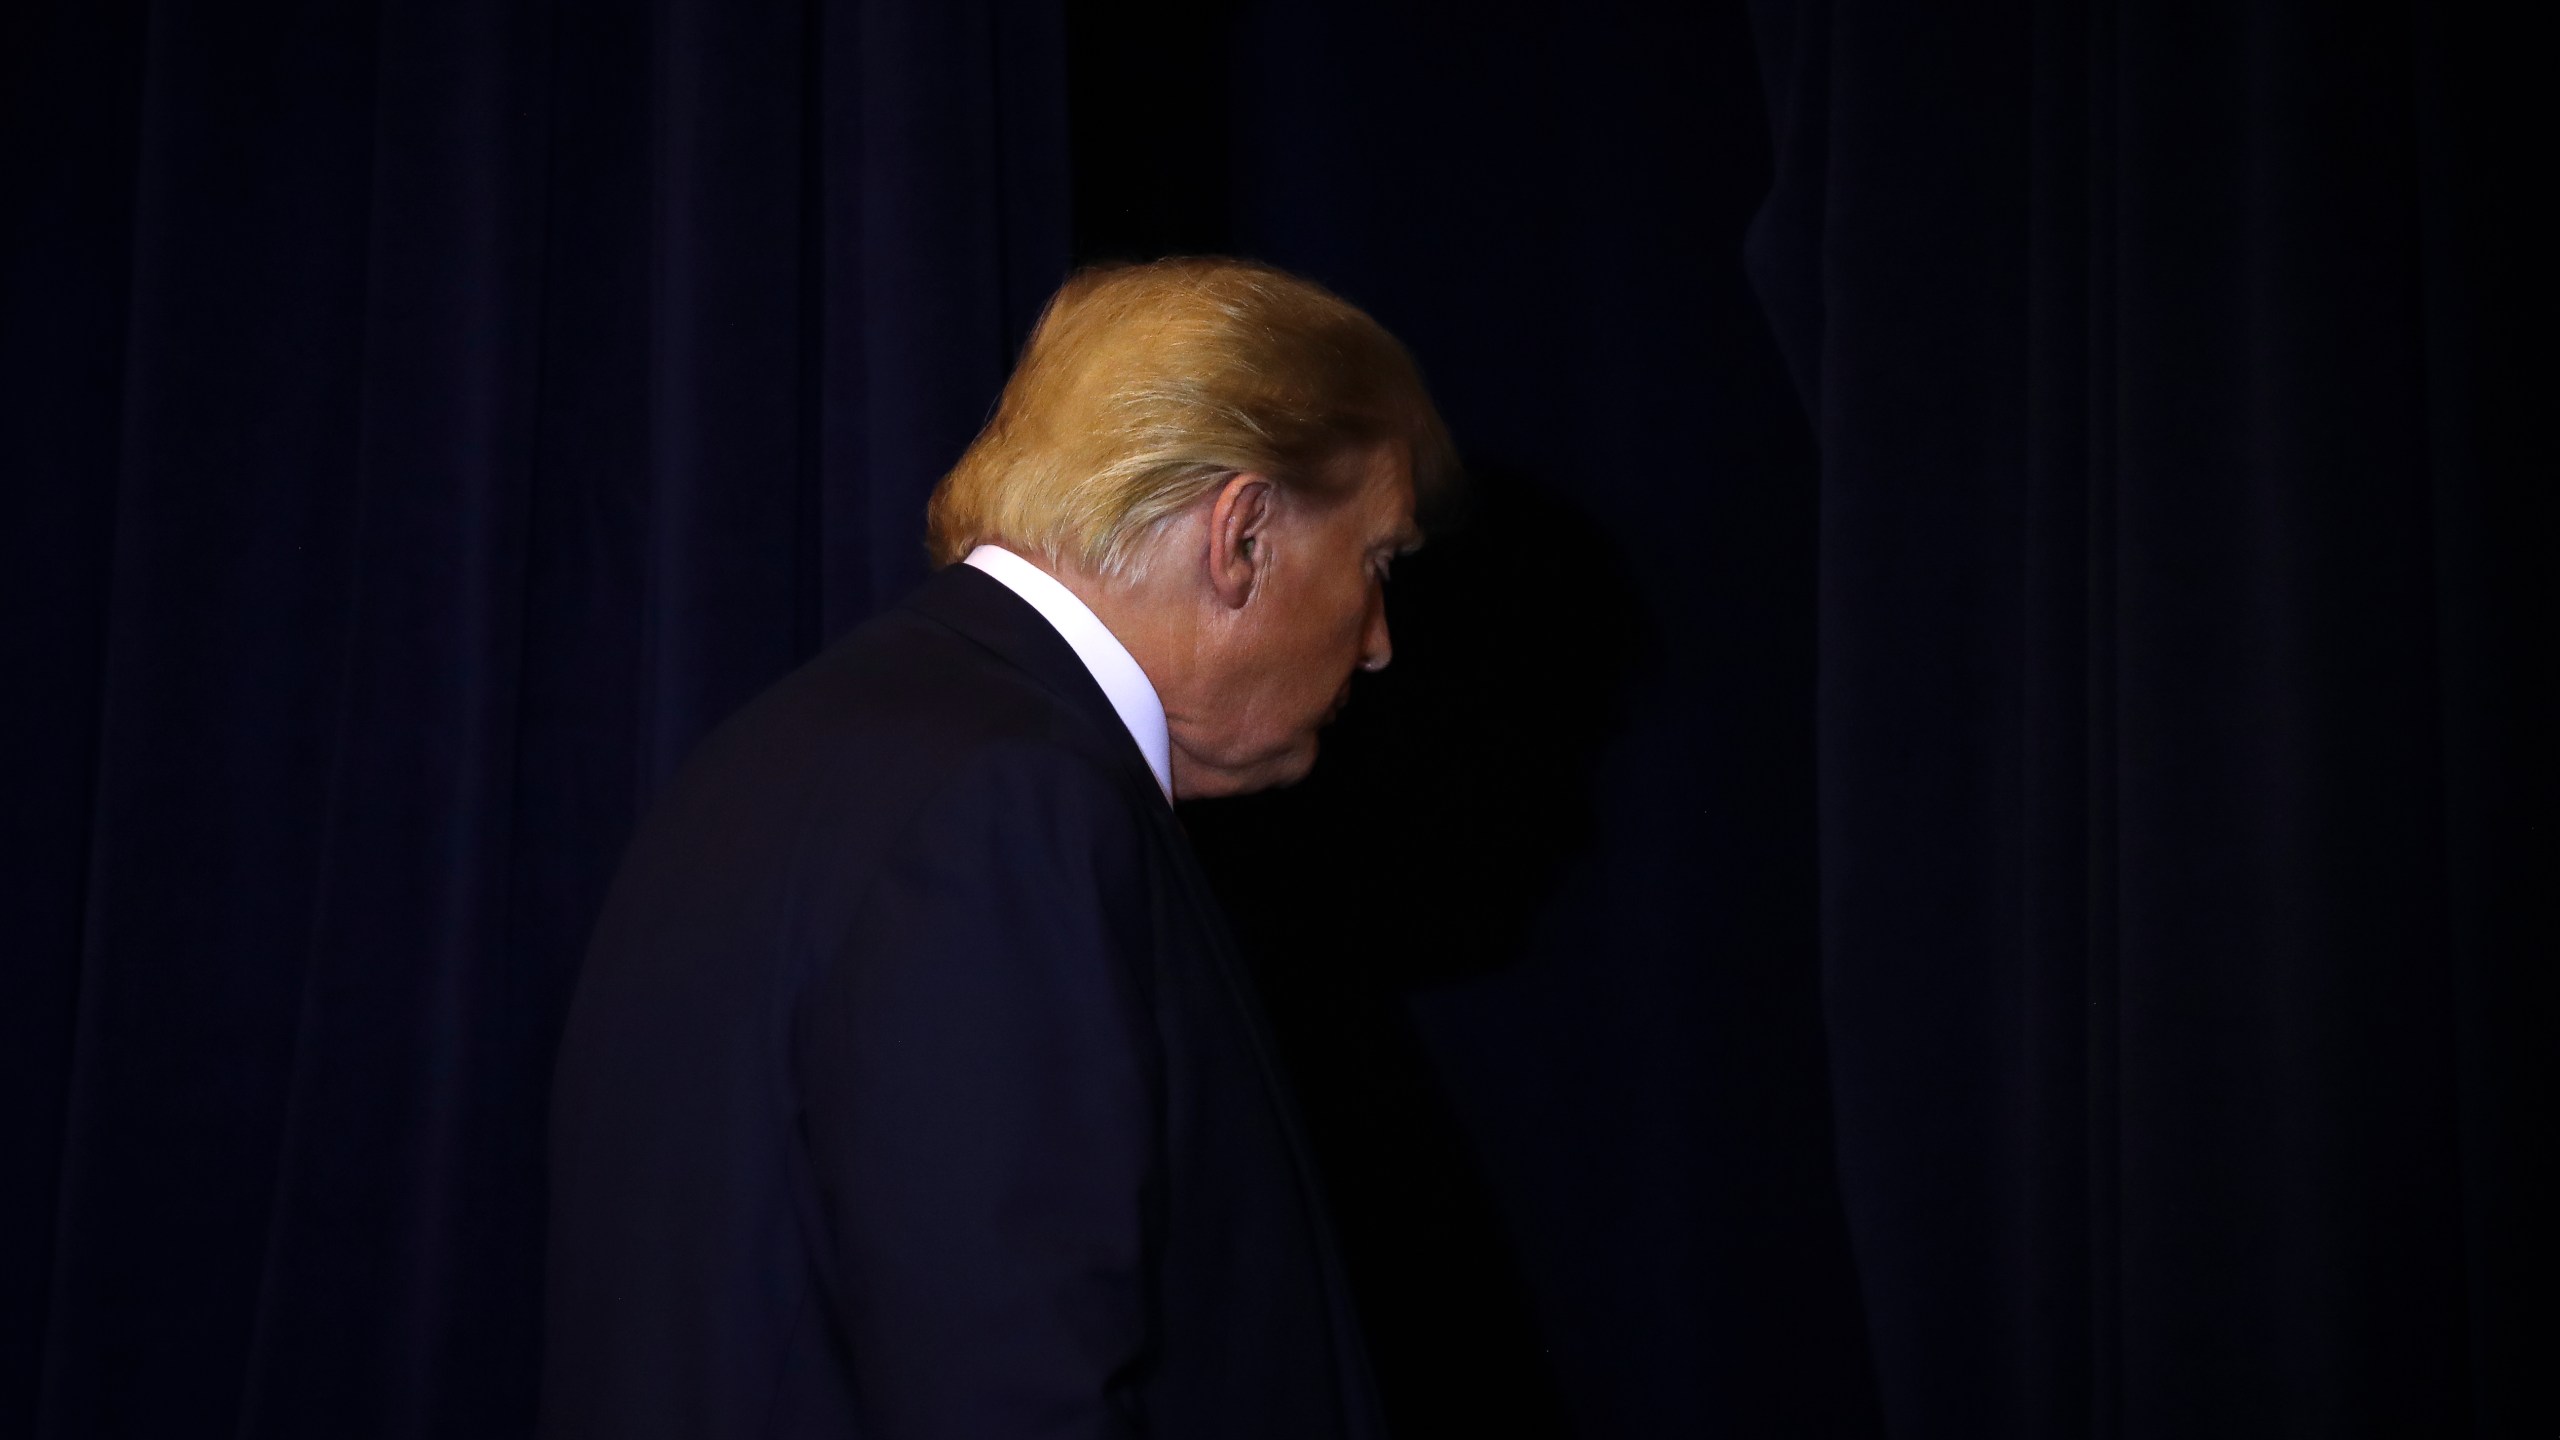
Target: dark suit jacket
914,1087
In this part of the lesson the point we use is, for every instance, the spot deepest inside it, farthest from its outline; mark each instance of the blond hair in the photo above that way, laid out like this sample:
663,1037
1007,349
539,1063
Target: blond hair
1143,387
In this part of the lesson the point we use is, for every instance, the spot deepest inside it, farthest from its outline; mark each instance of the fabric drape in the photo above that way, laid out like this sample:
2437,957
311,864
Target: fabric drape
1954,845
423,421
2175,803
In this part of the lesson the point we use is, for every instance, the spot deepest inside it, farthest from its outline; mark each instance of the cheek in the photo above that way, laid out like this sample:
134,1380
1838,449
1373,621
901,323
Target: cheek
1311,652
1331,639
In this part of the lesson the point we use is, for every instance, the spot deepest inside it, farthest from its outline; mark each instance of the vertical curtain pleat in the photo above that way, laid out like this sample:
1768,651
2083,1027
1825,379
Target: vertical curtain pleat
72,124
413,999
2139,769
439,445
226,634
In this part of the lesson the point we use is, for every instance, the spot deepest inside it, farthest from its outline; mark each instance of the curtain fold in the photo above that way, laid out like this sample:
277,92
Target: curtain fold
441,414
2145,839
2024,911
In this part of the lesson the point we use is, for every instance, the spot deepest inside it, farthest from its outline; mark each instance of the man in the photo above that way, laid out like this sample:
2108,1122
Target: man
914,1087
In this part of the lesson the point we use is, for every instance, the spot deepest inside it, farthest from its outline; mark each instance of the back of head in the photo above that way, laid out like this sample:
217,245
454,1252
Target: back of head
1144,386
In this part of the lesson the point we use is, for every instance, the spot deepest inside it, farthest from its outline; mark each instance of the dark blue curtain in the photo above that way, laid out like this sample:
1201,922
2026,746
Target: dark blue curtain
1953,846
422,420
2186,878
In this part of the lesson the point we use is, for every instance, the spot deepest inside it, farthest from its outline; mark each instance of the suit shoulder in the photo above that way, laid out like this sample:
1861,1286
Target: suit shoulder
1035,787
892,706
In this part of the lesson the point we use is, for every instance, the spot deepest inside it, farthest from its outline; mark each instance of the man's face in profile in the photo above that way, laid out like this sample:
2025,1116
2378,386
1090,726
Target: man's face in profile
1316,615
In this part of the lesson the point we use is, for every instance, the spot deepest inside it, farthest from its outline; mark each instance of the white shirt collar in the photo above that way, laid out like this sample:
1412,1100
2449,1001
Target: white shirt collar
1132,695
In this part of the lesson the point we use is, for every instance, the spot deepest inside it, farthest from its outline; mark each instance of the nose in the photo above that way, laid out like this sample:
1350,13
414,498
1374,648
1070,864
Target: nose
1376,649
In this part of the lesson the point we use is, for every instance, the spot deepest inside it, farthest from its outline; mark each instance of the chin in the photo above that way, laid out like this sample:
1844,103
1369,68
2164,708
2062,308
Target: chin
1300,764
1271,768
1286,768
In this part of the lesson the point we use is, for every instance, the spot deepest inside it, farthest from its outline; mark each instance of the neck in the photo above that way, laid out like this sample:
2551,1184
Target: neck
1154,627
1157,620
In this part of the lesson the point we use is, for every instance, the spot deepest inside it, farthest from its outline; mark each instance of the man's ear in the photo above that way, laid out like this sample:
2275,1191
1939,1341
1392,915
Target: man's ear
1239,537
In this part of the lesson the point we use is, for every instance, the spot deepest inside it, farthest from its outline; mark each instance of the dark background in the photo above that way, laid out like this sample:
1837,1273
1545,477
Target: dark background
1957,844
